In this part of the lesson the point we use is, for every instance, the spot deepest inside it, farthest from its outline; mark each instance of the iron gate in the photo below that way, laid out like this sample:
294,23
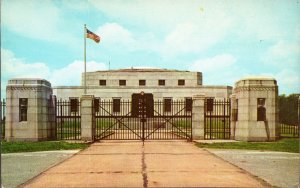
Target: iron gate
68,119
155,120
217,119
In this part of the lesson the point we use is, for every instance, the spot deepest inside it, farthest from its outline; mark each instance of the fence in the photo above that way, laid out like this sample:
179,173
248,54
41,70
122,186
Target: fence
217,119
3,114
68,120
289,130
148,120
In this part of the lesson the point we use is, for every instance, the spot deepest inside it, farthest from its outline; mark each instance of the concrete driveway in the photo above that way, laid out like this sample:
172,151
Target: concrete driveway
156,164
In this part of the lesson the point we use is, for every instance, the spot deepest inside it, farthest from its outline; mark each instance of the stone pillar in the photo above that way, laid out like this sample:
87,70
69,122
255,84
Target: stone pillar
87,117
233,113
27,117
51,117
258,118
198,117
299,116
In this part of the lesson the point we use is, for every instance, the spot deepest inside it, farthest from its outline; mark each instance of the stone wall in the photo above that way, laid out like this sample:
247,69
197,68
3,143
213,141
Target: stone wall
250,92
132,77
40,121
65,92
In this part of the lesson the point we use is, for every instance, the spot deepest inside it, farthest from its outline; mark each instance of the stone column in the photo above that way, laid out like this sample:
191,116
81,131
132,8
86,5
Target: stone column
198,117
299,116
27,107
258,109
233,113
87,117
51,117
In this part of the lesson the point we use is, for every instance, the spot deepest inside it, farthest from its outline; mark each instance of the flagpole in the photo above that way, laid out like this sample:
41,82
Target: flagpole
84,58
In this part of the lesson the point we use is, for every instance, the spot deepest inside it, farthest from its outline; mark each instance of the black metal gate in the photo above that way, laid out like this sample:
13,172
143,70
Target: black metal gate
142,120
2,118
68,120
217,119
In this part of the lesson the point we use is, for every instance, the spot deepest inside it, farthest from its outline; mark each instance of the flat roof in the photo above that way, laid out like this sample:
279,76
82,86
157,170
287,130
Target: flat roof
143,70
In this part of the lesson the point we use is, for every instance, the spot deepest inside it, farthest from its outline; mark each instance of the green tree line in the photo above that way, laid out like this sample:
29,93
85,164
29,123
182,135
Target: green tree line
288,109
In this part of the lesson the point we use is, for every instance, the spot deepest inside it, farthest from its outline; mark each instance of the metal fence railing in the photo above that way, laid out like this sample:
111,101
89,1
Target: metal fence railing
2,118
289,130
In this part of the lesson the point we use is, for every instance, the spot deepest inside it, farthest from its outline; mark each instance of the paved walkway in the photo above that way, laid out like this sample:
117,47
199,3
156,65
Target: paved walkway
156,164
18,168
279,169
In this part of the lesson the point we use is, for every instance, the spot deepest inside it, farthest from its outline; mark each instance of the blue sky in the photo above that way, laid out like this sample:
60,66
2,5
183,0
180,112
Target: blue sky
225,40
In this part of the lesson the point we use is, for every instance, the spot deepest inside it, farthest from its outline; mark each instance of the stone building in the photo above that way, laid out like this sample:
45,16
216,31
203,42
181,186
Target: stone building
123,83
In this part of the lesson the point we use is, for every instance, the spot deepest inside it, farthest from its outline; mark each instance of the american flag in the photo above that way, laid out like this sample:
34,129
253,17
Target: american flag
92,36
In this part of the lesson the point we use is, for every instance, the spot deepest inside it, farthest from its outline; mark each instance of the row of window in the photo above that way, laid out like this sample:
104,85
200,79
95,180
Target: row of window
142,82
117,104
261,110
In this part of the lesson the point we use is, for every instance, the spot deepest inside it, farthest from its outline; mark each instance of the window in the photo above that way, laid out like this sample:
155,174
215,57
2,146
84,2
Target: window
116,105
235,111
122,82
23,106
181,82
96,104
161,82
261,110
188,104
167,105
74,104
209,104
142,82
102,82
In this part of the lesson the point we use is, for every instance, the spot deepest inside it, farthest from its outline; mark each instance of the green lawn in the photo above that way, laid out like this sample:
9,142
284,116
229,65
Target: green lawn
14,147
285,145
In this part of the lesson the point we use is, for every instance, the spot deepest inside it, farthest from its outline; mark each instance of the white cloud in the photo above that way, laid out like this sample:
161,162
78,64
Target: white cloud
283,54
71,74
220,69
36,19
114,35
14,67
287,80
213,64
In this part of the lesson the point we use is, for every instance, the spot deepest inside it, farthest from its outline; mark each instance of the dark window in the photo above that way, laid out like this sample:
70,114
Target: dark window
142,82
102,82
161,82
116,105
235,112
148,104
74,105
96,104
23,106
188,104
181,82
122,82
210,105
261,110
167,105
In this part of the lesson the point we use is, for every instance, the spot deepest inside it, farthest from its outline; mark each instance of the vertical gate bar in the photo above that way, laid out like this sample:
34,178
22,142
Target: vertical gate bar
224,116
210,124
205,123
229,118
61,120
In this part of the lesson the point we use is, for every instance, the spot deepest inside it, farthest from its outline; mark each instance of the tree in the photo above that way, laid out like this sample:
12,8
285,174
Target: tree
288,109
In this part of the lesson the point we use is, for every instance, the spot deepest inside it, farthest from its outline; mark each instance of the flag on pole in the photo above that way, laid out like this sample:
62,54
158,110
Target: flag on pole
92,36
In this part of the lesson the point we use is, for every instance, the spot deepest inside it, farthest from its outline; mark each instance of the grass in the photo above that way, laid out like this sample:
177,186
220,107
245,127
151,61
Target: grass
15,147
285,145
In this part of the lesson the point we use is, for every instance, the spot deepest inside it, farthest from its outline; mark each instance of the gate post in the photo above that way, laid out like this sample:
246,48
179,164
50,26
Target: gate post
299,116
198,117
234,112
87,112
258,109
